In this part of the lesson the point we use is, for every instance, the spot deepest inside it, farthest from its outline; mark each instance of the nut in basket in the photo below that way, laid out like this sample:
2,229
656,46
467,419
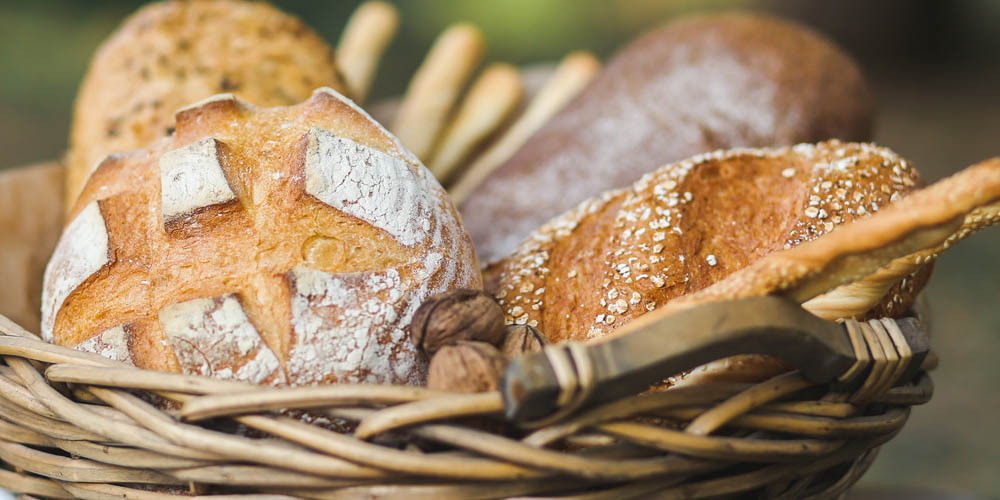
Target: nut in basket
334,205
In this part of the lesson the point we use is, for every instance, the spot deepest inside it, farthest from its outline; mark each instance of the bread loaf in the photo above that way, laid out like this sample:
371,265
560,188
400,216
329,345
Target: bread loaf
703,83
271,245
690,224
170,54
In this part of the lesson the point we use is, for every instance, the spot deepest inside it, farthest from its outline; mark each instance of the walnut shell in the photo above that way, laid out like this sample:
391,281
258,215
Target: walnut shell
466,367
461,314
522,339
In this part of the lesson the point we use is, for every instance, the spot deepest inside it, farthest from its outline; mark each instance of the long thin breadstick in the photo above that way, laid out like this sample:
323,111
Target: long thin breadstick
860,296
436,86
572,75
369,31
490,101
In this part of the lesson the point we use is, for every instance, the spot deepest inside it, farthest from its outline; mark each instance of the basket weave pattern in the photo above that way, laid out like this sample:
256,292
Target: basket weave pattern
73,424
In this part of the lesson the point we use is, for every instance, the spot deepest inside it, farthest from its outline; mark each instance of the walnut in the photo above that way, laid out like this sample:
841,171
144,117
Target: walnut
522,339
466,367
461,314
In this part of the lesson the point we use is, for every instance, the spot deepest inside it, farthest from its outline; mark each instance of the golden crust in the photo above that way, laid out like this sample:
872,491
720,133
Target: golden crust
274,253
875,265
889,245
170,54
687,226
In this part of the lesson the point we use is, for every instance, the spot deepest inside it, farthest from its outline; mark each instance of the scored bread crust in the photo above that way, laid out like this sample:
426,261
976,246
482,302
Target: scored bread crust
170,54
272,245
689,225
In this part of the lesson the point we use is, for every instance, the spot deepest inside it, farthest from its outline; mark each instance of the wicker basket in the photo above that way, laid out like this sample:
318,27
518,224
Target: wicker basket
75,425
78,425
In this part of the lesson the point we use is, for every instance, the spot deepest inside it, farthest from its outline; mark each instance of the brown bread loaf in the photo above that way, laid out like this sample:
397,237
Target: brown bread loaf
170,54
699,84
688,225
271,245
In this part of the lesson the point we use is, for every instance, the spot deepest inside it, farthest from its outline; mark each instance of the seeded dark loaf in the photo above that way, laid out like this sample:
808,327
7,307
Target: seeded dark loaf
170,54
286,245
699,84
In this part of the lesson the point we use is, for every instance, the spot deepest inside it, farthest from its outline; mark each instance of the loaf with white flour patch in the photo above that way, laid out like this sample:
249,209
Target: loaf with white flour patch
172,53
286,245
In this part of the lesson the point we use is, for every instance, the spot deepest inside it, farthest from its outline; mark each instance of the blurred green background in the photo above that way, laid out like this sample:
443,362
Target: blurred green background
934,65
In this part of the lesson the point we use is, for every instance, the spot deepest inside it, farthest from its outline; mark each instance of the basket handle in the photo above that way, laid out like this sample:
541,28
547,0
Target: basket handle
870,356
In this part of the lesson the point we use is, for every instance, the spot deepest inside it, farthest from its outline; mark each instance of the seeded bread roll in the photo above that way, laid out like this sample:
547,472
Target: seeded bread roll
285,245
690,224
173,53
703,83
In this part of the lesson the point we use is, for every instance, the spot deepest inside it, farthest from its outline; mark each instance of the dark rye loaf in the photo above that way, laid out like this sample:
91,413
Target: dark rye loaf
698,84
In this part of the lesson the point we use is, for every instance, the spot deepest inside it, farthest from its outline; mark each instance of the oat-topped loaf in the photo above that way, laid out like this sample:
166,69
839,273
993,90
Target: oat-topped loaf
173,53
272,245
690,224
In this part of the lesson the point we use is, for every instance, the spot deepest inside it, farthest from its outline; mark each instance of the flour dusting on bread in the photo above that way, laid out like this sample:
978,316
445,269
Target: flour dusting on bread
214,337
399,150
368,184
360,343
113,343
191,178
317,237
173,53
82,251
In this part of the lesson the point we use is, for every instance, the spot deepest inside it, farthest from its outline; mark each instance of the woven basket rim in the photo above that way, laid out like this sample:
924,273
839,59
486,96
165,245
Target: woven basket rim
74,424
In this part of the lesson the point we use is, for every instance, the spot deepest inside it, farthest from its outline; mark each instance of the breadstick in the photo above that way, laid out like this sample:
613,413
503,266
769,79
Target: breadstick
572,75
436,86
369,31
859,297
490,101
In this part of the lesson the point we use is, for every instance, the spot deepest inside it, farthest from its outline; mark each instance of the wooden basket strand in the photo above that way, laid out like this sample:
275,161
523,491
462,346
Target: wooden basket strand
77,425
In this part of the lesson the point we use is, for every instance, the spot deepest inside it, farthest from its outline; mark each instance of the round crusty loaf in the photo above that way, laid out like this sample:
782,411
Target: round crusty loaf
688,225
173,53
699,84
271,245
